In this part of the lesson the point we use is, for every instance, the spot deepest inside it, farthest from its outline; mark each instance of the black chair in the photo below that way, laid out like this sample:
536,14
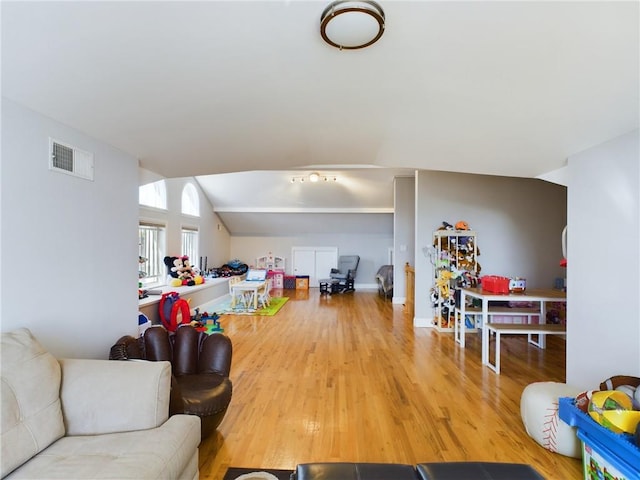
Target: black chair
345,274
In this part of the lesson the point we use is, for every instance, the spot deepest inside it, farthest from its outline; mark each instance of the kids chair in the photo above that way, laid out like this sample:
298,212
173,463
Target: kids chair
346,272
201,363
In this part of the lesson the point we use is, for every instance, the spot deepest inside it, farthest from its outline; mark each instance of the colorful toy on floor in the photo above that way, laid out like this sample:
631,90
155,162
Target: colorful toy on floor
209,322
173,311
143,323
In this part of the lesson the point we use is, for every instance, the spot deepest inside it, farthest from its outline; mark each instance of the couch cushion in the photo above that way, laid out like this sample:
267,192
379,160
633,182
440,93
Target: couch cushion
31,411
158,453
101,396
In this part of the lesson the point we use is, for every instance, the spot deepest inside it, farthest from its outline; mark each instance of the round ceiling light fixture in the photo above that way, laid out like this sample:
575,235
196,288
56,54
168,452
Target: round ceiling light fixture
351,25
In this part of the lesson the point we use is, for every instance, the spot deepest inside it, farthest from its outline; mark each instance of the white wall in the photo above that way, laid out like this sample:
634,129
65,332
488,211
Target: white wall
404,233
372,248
603,296
213,238
518,221
69,246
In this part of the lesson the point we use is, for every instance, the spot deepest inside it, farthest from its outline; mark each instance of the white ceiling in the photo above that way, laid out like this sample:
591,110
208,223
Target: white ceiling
211,87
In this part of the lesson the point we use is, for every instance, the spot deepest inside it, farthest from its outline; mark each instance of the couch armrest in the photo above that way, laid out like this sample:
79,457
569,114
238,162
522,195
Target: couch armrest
102,396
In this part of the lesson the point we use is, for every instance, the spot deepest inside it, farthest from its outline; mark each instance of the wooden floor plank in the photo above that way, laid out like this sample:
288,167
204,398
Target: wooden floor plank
348,378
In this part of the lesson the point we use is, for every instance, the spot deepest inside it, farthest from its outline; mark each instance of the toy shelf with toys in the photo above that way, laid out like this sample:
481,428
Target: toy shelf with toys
455,265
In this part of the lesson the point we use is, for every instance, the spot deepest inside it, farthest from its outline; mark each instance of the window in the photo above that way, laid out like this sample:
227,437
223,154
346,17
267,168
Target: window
190,245
190,200
151,252
153,195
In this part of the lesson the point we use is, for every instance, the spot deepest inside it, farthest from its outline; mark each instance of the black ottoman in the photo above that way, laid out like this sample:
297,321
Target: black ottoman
477,471
354,471
329,286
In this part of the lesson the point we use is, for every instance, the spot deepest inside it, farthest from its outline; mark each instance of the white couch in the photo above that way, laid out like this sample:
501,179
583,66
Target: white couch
90,419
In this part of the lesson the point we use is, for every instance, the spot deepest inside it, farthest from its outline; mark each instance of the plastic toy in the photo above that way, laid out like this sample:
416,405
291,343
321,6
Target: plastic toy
209,322
604,407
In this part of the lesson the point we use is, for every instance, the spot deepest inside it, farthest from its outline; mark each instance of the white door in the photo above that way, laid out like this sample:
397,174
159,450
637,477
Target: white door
304,262
325,261
316,262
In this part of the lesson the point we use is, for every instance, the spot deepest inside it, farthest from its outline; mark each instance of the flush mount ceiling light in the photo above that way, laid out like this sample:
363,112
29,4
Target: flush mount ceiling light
351,25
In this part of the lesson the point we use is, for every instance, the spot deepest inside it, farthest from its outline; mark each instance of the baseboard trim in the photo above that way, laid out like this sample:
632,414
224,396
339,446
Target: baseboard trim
423,322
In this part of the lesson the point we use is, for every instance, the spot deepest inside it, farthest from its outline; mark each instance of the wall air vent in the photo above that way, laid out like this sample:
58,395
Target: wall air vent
67,159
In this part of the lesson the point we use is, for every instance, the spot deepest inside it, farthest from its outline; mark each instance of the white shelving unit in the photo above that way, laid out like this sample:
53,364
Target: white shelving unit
456,263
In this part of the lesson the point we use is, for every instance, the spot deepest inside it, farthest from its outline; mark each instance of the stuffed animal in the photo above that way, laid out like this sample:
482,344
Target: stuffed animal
443,283
181,272
174,269
188,274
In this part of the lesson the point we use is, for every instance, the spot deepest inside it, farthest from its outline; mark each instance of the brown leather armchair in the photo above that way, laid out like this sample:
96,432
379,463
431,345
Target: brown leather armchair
200,363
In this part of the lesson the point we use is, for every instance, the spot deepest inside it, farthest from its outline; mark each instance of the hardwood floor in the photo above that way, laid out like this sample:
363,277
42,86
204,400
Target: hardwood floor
348,378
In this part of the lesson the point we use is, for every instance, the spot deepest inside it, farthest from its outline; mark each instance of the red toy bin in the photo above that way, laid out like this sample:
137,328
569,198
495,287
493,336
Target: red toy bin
495,284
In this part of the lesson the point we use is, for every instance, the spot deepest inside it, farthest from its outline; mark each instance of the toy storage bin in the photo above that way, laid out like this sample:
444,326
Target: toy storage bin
602,450
495,284
302,282
289,282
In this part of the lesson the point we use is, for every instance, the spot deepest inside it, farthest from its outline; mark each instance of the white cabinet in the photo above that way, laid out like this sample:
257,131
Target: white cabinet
455,265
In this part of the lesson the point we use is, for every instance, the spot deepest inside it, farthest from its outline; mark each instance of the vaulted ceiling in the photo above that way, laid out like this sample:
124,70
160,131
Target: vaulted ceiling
214,87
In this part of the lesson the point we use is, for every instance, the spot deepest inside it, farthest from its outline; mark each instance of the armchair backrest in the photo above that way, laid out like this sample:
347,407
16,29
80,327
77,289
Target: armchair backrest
188,350
348,264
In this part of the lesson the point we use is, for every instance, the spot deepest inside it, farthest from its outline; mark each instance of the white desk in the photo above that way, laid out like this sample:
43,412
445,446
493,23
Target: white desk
244,287
542,296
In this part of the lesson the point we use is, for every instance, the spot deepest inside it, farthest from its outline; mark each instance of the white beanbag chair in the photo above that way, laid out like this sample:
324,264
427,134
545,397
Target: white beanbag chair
539,411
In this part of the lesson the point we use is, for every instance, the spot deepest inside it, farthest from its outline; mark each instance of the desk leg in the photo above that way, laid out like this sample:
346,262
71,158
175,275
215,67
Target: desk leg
463,318
497,362
485,332
542,338
233,298
495,366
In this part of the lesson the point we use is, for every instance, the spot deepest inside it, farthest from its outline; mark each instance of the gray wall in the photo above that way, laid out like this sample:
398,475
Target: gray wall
603,296
404,233
518,221
69,248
